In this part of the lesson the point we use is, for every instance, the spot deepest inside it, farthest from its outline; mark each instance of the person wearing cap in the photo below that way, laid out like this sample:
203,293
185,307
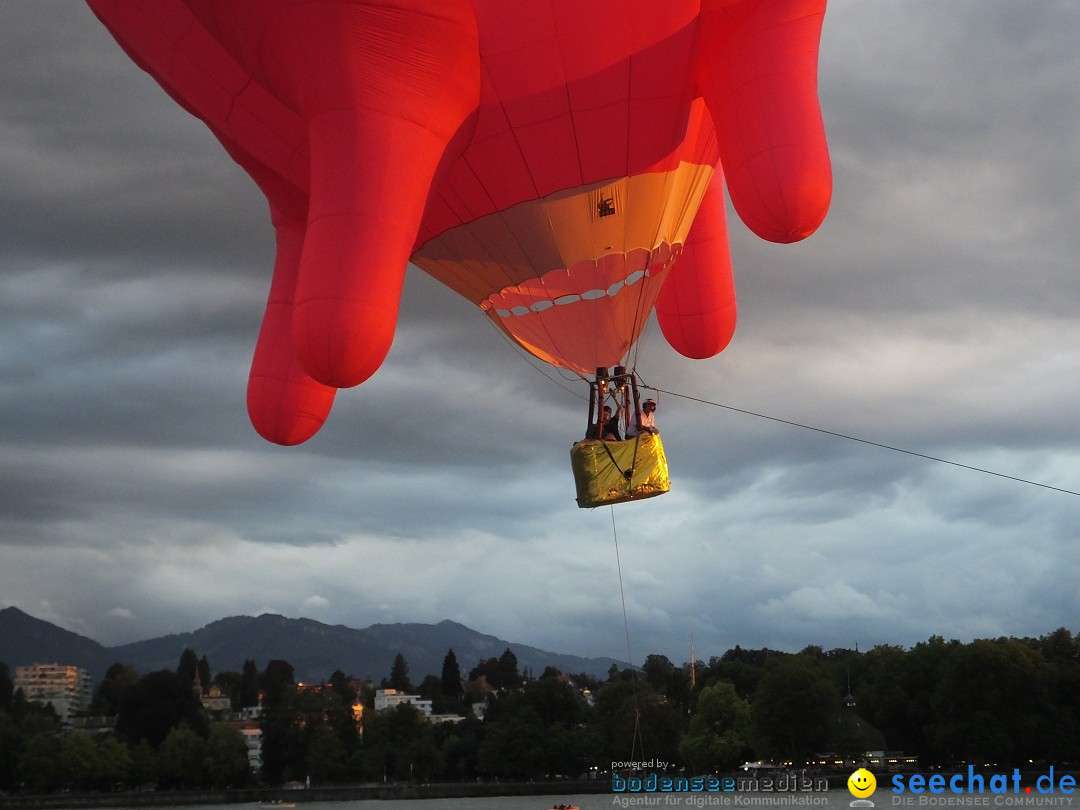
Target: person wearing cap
646,418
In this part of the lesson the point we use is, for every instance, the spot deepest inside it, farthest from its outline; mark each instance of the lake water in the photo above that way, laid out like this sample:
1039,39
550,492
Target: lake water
832,799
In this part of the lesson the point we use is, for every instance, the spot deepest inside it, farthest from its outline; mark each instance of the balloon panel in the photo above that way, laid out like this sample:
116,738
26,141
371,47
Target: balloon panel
565,259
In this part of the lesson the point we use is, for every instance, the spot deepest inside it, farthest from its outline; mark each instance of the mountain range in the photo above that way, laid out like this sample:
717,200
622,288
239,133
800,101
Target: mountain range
314,649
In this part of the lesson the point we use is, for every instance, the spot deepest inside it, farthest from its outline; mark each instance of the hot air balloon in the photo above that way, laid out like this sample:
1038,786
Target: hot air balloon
559,163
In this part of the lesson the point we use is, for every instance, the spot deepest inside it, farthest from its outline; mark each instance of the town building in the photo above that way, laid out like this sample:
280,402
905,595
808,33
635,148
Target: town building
216,705
247,722
863,745
389,698
253,740
66,688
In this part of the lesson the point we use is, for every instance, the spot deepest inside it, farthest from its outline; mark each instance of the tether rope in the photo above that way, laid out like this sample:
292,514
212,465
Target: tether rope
636,737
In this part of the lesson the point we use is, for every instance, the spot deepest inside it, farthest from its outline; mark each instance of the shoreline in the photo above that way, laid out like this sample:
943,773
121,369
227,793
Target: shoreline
378,792
387,792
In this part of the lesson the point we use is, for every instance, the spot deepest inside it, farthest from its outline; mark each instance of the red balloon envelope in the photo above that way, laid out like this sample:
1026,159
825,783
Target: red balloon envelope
546,159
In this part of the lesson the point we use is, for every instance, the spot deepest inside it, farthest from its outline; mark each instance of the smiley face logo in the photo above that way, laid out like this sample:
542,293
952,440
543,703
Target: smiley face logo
862,783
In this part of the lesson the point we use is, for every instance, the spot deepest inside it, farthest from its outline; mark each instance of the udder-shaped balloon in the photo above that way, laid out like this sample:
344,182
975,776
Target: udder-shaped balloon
560,163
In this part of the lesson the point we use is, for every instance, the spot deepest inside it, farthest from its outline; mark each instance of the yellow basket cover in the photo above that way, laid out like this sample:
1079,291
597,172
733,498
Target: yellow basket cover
600,470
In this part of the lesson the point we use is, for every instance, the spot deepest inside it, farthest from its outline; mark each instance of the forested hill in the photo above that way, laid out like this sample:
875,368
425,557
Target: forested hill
26,640
314,649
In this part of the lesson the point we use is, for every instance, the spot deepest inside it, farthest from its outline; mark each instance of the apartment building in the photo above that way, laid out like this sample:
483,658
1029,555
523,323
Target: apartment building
66,688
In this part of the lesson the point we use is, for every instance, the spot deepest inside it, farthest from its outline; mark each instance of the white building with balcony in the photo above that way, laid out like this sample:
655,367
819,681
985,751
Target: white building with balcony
66,688
389,698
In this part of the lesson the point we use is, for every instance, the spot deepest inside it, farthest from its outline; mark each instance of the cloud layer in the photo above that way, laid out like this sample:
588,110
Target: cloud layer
935,311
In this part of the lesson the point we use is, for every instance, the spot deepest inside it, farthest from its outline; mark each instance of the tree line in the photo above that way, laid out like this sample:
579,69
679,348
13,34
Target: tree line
1003,701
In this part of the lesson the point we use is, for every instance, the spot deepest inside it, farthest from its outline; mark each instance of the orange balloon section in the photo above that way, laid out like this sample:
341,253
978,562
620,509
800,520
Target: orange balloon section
558,163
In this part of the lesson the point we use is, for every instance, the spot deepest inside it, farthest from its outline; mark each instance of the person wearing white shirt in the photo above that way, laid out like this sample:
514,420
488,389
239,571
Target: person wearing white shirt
646,418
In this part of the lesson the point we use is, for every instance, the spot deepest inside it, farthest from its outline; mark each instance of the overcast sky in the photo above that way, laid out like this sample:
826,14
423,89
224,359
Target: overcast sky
936,310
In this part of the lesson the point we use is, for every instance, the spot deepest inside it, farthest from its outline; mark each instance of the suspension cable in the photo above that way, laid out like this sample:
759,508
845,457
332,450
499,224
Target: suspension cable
869,442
